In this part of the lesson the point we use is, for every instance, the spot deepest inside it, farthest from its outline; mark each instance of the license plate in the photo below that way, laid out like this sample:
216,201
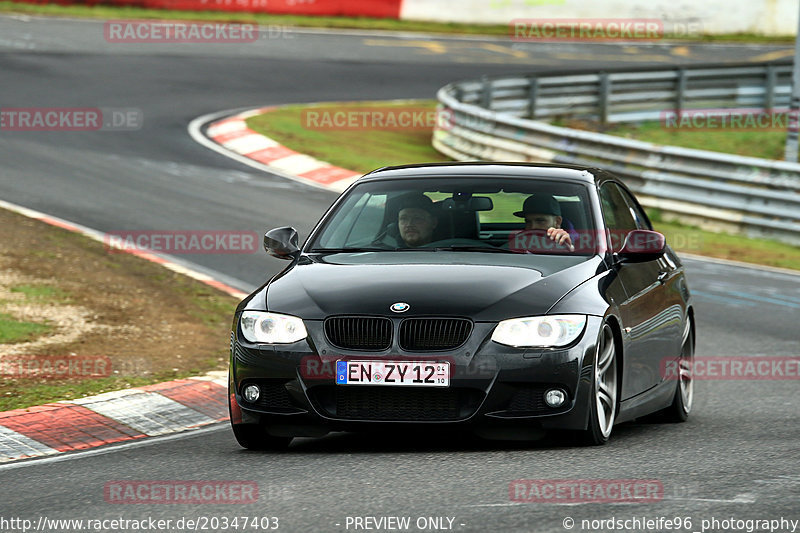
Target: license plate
398,373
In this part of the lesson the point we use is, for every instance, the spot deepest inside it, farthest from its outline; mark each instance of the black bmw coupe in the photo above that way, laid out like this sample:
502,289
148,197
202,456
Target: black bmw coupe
501,298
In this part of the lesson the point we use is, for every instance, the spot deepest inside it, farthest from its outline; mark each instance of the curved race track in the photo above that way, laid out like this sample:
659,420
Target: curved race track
737,456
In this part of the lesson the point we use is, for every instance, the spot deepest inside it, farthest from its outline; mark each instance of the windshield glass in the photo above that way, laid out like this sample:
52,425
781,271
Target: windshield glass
488,215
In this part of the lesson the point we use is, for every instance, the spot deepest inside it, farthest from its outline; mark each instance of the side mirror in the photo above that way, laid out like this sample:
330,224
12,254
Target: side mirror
282,243
643,245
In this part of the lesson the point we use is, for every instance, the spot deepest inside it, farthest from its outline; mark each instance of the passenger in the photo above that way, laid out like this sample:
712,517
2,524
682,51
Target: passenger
543,212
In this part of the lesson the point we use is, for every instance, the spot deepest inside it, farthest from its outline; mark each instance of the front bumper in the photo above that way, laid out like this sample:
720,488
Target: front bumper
491,385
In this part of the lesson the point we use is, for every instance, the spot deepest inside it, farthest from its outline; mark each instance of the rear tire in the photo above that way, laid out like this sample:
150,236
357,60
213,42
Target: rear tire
603,400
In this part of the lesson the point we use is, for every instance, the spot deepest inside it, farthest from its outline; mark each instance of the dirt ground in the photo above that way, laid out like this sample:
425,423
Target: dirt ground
120,320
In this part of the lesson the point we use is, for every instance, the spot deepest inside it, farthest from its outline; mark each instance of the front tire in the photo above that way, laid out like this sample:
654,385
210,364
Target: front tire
603,400
252,436
681,405
255,437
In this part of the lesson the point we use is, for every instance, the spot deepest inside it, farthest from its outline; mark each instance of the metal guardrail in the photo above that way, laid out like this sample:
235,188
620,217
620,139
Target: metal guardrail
494,119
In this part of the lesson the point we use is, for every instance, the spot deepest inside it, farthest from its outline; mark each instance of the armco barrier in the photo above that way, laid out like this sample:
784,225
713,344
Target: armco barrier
759,197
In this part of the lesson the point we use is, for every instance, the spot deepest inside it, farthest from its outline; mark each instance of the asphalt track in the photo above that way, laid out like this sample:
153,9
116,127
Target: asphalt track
737,456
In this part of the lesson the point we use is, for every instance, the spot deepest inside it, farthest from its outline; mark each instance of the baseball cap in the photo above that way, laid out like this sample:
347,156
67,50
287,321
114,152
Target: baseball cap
418,201
540,203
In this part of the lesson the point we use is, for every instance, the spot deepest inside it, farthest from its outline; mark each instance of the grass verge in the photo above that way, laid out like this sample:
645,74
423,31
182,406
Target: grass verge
360,23
365,149
346,147
754,143
691,239
64,297
12,331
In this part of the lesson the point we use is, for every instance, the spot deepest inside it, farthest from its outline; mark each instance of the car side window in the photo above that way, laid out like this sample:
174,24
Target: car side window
618,215
639,217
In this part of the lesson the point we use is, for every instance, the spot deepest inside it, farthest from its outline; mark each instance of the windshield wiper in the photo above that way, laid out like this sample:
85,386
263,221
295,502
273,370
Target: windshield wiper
471,248
348,250
454,248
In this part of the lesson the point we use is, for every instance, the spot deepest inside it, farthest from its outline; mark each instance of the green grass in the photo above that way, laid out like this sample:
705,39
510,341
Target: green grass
15,331
361,150
690,239
765,144
207,306
42,292
364,150
361,23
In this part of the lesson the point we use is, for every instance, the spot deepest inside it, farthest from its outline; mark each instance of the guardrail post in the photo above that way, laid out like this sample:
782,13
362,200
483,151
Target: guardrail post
458,93
603,97
769,92
680,91
533,96
486,93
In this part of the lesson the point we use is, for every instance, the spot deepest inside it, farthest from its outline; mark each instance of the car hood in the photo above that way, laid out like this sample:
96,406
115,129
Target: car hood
482,288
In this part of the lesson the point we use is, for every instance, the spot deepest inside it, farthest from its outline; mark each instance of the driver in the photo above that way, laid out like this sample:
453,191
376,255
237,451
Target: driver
416,220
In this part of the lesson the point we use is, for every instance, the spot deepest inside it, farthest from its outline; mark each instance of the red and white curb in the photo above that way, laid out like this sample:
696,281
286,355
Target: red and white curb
113,417
120,415
231,137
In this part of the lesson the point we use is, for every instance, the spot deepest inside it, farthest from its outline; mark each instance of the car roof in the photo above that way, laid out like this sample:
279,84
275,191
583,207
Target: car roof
489,169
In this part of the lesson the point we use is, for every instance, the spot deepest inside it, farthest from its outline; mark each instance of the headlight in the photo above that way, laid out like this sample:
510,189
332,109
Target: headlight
271,328
540,331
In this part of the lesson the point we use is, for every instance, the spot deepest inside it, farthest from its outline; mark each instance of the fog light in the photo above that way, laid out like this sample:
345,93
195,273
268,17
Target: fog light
251,393
555,397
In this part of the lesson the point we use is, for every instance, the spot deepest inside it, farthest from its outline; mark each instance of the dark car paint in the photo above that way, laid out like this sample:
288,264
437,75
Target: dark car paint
322,286
602,286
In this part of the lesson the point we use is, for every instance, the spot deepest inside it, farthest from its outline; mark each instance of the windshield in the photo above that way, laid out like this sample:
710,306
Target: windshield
470,215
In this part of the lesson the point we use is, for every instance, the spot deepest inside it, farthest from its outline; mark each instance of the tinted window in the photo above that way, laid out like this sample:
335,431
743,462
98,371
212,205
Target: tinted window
640,218
462,212
619,217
